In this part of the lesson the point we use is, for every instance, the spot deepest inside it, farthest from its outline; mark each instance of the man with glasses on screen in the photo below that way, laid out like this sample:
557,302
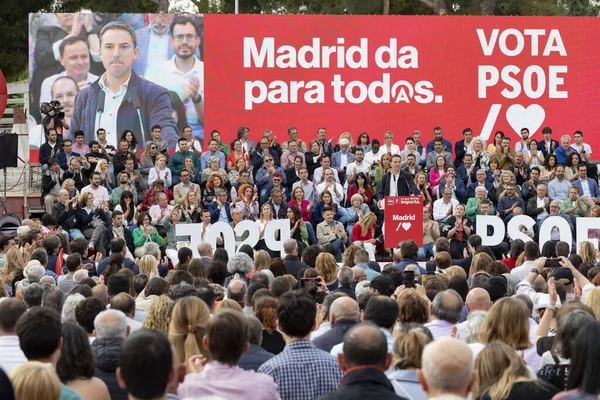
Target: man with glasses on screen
184,73
120,99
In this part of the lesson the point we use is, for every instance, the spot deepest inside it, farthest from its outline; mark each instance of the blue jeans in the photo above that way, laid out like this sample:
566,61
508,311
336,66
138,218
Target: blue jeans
338,246
312,238
425,252
76,234
343,215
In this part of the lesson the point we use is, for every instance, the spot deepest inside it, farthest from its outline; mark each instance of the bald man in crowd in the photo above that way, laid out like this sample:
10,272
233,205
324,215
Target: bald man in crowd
446,369
478,299
343,315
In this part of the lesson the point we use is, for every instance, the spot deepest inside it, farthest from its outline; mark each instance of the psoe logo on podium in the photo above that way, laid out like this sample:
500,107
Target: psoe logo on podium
403,220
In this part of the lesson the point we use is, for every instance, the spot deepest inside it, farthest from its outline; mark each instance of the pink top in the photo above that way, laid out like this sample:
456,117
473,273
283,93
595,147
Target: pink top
306,214
229,383
434,178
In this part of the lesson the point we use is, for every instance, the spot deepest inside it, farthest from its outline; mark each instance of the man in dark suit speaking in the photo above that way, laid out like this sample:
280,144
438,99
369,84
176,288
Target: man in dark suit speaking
120,99
396,183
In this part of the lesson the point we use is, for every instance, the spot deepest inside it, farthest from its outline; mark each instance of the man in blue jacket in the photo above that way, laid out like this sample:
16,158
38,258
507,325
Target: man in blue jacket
587,186
120,99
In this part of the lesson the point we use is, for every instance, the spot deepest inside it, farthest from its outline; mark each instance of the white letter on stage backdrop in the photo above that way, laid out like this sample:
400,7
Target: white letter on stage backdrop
513,227
563,227
483,221
283,225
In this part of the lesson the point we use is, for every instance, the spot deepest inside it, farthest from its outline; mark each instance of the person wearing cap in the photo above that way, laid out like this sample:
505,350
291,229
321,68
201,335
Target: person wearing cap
383,285
446,310
565,276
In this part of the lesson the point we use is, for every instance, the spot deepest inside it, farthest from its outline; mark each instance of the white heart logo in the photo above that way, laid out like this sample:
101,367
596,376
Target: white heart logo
406,225
519,117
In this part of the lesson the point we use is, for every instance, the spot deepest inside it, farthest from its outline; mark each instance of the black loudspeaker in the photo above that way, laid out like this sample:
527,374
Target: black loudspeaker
9,143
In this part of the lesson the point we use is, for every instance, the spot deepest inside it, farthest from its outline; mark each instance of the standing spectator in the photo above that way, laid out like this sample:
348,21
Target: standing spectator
301,371
564,150
176,162
11,354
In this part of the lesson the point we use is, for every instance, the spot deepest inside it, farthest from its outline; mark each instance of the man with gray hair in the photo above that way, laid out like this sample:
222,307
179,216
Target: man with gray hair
79,276
236,290
343,315
53,298
291,260
323,314
68,310
446,310
255,356
345,279
206,253
478,299
111,331
32,295
446,369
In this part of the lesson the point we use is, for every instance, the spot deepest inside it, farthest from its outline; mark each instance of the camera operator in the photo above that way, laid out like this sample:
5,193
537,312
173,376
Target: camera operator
54,118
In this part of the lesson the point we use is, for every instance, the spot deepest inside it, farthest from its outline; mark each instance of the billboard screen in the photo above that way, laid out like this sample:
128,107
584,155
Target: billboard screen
117,72
345,73
403,73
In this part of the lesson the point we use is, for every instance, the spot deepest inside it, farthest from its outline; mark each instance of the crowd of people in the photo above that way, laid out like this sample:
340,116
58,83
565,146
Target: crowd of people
100,299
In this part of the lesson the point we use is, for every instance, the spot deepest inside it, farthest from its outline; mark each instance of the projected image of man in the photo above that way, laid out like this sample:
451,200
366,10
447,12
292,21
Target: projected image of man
120,99
184,73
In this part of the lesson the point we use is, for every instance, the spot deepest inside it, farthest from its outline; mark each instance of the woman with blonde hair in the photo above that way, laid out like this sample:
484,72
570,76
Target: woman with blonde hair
592,299
455,270
265,309
594,212
229,304
587,251
407,348
502,375
191,204
423,186
481,262
13,265
69,185
148,265
188,326
508,322
157,318
384,166
364,231
35,380
213,168
160,171
107,178
326,267
262,260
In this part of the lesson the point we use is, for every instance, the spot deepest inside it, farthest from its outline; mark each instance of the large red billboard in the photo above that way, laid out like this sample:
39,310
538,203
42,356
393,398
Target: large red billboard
401,73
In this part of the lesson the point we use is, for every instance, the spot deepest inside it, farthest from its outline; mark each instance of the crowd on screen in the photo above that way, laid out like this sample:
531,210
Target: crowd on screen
101,300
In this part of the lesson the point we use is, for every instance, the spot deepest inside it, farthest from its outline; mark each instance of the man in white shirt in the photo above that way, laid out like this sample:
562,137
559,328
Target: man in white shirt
358,165
522,146
373,157
336,190
184,73
101,196
11,355
159,212
325,164
532,252
584,149
153,42
75,58
305,184
444,208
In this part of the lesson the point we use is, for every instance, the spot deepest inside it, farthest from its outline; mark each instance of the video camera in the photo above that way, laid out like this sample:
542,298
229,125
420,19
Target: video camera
46,108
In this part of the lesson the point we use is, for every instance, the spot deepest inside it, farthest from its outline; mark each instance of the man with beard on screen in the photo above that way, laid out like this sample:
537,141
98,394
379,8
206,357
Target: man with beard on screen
184,73
120,99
